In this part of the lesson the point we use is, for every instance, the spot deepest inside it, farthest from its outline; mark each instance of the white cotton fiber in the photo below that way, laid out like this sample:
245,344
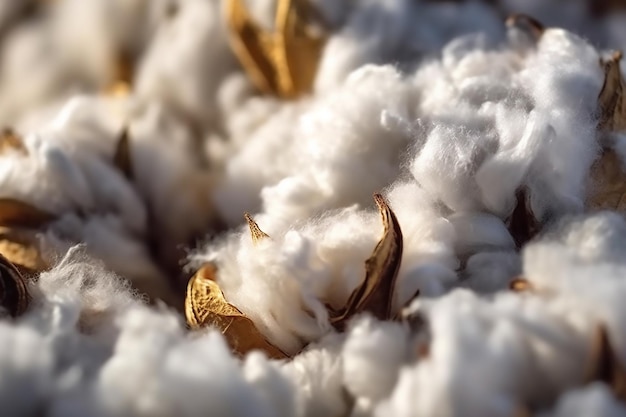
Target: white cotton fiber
480,231
429,260
26,55
26,368
186,61
289,276
308,154
373,355
317,373
564,74
491,271
596,400
488,358
499,176
437,106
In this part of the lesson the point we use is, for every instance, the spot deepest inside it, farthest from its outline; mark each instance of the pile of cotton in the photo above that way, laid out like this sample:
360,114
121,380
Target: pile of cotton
312,208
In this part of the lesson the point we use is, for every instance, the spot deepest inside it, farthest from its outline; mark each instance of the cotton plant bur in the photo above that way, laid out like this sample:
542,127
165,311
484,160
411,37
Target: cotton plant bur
221,156
15,296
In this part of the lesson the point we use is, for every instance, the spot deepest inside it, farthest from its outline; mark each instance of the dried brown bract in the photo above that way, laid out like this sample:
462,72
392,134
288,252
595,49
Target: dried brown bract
283,62
9,140
522,223
122,74
19,224
375,293
612,101
527,24
13,292
608,186
605,366
122,158
520,284
601,8
609,183
399,313
205,306
15,213
255,231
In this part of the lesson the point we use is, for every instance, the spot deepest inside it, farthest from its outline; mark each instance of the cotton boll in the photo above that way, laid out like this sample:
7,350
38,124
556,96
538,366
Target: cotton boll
337,143
594,285
501,175
90,56
111,32
308,154
27,55
47,177
267,153
447,162
524,349
75,294
596,238
106,239
374,33
170,179
75,303
373,351
27,367
479,231
293,197
166,171
565,75
283,282
136,21
491,271
154,371
68,167
317,373
594,400
397,32
270,384
428,258
186,61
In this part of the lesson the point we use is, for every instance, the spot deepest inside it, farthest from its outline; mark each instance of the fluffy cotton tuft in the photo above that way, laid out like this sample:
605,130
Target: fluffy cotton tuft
438,106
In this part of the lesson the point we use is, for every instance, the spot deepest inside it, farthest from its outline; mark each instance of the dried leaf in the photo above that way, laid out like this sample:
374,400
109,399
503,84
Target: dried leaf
9,140
612,101
522,223
255,230
15,213
13,292
375,293
122,158
205,306
527,24
283,62
605,366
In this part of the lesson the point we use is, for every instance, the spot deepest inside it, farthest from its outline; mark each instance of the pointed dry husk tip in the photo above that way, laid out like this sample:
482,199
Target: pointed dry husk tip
255,231
527,24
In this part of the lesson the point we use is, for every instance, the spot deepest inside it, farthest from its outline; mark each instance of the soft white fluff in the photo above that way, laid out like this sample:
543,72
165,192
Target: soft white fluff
433,104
